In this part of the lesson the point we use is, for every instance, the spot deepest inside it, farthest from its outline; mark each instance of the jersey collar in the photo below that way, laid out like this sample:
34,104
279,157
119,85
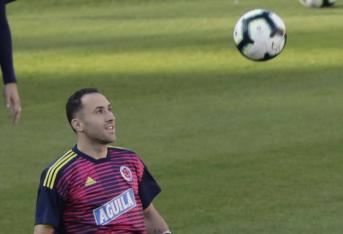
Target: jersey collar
87,157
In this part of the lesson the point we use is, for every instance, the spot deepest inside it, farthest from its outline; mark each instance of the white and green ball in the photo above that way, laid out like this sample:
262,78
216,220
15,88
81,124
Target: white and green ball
260,35
317,3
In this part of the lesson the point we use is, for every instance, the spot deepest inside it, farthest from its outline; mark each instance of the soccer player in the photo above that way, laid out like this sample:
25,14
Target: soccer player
11,94
93,187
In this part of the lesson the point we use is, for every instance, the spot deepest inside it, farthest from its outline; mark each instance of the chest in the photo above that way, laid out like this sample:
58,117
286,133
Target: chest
96,184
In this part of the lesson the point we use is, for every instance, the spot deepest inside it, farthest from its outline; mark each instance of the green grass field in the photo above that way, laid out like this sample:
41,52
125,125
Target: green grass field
238,147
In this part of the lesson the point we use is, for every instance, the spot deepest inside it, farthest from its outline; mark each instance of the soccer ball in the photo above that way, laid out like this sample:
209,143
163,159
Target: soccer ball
317,3
260,35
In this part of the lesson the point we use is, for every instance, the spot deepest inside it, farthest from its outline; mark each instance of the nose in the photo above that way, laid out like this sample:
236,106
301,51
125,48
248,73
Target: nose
110,116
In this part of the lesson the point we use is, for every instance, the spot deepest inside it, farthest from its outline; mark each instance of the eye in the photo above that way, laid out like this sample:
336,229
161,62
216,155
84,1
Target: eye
99,111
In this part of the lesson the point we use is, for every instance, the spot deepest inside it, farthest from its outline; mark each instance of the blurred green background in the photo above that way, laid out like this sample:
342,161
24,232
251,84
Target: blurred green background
237,146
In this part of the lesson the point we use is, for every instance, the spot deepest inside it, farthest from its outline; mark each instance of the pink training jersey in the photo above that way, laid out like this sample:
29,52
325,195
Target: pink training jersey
78,194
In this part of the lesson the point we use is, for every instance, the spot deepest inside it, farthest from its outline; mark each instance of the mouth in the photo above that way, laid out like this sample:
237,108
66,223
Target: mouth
110,128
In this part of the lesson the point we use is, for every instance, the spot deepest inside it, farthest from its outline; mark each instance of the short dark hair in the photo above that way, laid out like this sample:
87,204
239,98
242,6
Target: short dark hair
74,103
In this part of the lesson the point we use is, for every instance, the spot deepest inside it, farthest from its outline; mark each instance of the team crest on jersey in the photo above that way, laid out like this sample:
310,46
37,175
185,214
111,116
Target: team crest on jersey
115,208
126,173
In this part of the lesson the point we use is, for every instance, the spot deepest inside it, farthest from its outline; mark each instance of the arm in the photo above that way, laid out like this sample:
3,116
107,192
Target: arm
6,58
43,229
49,205
11,93
154,221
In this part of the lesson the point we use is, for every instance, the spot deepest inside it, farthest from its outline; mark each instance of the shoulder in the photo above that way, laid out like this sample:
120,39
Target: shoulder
124,154
121,150
52,172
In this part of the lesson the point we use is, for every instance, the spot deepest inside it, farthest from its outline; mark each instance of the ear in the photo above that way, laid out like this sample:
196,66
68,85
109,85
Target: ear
77,125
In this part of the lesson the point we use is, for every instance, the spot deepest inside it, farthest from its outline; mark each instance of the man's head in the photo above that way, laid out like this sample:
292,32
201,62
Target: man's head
90,116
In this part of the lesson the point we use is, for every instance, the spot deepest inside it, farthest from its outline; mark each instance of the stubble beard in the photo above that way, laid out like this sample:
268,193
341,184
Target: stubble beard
101,139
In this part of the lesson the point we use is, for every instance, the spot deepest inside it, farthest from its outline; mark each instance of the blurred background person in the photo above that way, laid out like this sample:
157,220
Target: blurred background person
11,94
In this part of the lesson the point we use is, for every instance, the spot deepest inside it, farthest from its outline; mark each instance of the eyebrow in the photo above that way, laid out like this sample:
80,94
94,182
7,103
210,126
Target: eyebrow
102,107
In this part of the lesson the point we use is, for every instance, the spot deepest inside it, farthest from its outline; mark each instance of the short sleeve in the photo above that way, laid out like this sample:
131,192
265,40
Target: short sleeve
49,205
148,188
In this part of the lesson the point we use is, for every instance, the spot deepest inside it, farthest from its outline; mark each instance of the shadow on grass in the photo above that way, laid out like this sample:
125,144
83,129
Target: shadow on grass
182,84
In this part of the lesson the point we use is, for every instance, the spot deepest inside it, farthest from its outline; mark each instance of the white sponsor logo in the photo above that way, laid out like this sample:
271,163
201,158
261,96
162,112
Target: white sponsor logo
116,207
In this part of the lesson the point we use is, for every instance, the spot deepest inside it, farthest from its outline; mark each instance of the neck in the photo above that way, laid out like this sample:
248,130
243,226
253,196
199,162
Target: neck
94,150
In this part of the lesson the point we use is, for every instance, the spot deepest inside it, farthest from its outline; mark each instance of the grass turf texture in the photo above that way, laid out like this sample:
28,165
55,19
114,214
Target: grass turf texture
238,147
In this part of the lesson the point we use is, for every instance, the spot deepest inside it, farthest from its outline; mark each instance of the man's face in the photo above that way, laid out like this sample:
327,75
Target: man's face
96,119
